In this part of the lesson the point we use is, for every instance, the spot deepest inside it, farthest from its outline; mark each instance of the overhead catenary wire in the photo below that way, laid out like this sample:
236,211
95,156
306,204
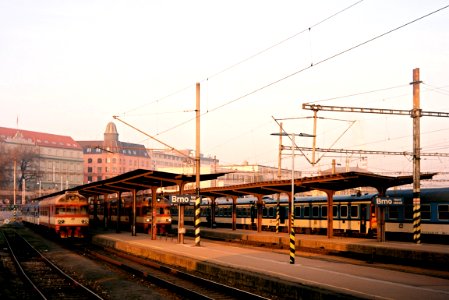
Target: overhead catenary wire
331,57
247,58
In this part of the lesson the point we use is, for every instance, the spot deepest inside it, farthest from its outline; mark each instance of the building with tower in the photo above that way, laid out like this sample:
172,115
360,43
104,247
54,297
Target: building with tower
110,157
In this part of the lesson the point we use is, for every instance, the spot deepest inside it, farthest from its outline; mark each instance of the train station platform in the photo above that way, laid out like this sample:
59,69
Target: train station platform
434,256
268,270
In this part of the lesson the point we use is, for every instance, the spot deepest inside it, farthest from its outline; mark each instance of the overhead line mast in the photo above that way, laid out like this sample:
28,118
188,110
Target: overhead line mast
416,113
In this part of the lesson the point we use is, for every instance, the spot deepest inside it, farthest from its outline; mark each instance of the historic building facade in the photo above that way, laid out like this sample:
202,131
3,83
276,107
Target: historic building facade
110,157
47,162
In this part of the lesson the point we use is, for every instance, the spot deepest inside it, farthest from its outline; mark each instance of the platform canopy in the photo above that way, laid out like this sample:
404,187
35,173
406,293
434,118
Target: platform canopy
333,182
137,180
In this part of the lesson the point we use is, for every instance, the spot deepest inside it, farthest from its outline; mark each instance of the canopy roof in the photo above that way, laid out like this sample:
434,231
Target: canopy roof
142,179
137,180
333,182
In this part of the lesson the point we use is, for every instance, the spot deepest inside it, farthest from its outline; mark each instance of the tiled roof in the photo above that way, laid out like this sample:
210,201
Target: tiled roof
41,139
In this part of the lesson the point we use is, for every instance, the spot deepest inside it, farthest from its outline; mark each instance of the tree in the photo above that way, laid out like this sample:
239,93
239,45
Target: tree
24,156
4,165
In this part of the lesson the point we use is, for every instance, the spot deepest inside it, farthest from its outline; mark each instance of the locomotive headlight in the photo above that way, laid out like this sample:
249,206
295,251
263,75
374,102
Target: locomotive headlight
61,221
169,220
147,220
84,221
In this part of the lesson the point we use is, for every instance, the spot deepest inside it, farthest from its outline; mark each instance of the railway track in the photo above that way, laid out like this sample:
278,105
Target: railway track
186,285
43,279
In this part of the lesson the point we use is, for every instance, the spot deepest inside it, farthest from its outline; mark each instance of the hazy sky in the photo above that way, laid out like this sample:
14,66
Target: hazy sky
66,67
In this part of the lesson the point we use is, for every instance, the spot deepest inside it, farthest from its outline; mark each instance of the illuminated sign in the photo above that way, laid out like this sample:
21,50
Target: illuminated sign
387,201
182,199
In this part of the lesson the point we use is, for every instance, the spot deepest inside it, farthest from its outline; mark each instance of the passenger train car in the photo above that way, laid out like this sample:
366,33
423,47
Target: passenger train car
66,215
353,215
144,213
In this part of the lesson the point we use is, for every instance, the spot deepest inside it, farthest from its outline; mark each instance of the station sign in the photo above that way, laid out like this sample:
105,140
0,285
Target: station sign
182,199
388,201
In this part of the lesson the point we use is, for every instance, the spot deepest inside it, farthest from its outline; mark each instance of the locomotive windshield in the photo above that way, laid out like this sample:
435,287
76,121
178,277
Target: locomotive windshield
70,210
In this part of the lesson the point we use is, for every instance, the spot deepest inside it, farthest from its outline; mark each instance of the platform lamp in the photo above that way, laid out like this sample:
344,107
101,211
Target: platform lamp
292,205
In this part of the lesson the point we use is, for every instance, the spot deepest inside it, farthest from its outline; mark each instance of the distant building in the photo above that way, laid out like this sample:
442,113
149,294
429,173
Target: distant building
47,162
110,157
250,173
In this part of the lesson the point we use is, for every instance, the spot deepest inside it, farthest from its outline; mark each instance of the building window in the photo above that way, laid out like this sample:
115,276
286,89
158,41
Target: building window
99,160
89,160
99,170
89,169
99,178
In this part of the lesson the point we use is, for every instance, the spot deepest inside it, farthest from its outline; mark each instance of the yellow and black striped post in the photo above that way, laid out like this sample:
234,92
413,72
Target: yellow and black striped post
197,220
292,239
416,218
277,214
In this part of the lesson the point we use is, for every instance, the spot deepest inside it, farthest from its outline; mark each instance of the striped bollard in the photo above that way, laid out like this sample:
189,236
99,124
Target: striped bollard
416,220
277,217
197,221
292,240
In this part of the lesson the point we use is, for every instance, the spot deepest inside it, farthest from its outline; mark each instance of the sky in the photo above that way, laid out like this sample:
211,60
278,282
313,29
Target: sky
68,67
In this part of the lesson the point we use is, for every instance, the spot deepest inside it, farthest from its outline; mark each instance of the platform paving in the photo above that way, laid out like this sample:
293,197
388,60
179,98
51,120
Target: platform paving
270,272
407,253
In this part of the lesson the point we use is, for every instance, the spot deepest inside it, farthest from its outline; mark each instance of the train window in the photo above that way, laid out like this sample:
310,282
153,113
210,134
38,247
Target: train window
297,212
228,212
343,211
306,211
324,211
264,212
425,211
408,212
315,211
271,212
354,211
443,212
335,211
239,212
393,212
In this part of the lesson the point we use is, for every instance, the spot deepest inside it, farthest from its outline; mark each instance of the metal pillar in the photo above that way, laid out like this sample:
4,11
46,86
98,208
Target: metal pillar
119,209
234,213
259,213
416,115
133,217
198,170
330,214
153,212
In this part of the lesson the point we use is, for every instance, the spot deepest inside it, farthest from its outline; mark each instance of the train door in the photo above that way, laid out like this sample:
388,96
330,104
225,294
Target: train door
363,217
282,214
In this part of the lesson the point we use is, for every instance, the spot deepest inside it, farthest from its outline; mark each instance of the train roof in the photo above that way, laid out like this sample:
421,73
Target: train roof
427,195
68,198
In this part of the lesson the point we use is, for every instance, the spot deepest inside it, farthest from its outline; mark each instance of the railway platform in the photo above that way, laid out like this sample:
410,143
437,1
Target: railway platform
268,270
434,256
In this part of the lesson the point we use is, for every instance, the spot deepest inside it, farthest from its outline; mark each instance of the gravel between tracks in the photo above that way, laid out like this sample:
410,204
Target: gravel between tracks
109,283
